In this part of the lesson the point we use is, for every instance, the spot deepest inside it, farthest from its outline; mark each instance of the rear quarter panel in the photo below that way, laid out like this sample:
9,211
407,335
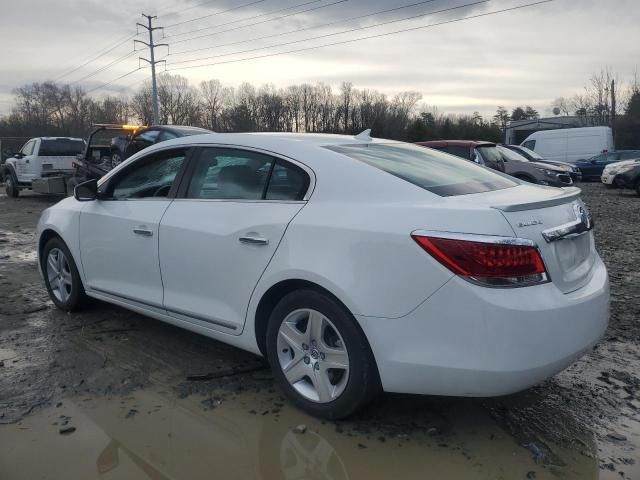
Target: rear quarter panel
353,238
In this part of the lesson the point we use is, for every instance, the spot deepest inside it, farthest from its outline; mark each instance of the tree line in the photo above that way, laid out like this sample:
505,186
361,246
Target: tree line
49,108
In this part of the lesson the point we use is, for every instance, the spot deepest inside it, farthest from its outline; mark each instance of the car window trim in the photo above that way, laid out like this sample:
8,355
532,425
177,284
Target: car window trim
181,193
176,182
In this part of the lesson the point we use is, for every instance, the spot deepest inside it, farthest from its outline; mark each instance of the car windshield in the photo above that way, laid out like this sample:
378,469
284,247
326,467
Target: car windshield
530,152
437,172
61,147
510,155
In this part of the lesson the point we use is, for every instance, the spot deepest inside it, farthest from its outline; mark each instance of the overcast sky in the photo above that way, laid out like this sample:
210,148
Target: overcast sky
528,56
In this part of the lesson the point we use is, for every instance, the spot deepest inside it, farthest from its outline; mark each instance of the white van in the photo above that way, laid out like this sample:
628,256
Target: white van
570,144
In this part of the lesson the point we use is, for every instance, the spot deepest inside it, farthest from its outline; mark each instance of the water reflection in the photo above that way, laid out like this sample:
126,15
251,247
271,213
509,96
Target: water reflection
154,436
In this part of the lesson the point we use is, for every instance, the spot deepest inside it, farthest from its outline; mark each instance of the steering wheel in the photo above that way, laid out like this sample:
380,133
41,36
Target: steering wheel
163,191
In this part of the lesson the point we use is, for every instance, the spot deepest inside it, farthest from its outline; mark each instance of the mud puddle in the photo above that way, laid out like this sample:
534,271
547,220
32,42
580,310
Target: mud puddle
153,435
17,246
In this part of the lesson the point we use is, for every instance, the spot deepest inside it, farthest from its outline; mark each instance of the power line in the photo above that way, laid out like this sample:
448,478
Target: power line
248,18
115,80
93,59
184,9
104,67
422,27
313,27
327,35
215,13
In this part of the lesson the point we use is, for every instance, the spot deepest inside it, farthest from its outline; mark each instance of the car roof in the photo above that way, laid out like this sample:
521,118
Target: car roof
457,143
305,147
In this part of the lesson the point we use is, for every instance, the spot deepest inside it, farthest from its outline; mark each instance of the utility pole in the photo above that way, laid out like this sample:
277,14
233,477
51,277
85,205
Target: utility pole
154,85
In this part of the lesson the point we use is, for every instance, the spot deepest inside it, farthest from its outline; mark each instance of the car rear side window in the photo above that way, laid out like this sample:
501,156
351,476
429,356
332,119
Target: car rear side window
437,172
225,173
458,151
287,182
61,147
530,144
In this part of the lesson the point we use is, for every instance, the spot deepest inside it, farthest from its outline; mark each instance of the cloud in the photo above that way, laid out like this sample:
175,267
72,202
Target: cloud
529,56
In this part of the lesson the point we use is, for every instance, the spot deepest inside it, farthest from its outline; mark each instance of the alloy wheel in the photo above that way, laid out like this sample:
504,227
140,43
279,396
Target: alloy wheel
59,275
313,355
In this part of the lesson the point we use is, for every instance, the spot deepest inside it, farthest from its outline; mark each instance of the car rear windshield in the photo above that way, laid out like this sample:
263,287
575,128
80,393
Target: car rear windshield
508,154
437,172
61,147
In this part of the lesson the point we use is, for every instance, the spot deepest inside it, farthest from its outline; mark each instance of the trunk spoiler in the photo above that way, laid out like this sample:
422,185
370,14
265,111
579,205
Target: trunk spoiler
565,195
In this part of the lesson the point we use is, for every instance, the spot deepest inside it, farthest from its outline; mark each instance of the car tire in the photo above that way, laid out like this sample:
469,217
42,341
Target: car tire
11,185
61,276
116,159
309,333
71,185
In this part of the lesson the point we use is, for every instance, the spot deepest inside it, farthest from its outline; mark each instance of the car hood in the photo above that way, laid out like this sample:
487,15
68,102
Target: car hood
551,166
565,165
615,165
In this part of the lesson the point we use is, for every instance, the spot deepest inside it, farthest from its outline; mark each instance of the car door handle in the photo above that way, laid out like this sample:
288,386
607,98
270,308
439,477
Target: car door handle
254,240
145,232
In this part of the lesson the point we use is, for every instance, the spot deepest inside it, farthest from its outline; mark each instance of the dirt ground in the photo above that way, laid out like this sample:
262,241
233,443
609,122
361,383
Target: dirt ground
106,394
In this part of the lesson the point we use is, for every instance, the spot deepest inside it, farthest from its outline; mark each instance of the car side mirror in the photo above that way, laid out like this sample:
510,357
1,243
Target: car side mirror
86,191
594,161
80,156
18,155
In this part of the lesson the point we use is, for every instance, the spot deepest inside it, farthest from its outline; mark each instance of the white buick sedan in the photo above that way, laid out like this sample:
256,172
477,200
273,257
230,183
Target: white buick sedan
353,265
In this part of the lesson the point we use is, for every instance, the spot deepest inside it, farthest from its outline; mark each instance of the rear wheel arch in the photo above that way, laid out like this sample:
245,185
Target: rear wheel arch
277,292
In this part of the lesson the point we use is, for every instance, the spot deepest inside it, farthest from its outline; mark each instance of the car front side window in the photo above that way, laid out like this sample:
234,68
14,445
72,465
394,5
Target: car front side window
149,177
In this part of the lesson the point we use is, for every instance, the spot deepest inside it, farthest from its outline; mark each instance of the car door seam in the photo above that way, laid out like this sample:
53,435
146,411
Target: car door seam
158,250
275,250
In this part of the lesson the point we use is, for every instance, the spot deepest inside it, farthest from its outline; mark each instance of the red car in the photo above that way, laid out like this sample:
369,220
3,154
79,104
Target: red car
483,153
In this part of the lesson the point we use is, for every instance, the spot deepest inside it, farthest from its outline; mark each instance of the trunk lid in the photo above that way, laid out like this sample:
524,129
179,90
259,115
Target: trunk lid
556,220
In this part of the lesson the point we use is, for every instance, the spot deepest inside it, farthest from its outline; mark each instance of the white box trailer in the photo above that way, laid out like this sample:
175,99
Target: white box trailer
570,144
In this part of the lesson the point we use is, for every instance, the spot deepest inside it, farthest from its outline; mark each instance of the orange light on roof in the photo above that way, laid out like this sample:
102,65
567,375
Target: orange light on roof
132,127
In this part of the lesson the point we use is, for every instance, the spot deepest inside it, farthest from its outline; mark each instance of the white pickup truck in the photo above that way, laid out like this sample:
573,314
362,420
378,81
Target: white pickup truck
43,164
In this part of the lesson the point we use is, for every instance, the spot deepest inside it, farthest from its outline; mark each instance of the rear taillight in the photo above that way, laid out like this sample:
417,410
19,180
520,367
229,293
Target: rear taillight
486,260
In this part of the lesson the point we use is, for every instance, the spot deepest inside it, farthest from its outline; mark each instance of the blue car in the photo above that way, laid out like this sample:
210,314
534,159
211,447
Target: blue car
592,168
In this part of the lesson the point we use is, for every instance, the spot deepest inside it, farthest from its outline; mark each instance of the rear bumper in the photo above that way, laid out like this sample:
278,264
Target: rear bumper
467,340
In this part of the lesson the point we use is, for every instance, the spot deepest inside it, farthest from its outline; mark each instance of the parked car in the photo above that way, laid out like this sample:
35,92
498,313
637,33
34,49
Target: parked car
628,176
609,173
366,265
532,156
570,144
504,160
593,168
43,165
122,147
541,173
483,153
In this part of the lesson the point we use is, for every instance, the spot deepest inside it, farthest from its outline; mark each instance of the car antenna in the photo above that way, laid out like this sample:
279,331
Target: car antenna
366,135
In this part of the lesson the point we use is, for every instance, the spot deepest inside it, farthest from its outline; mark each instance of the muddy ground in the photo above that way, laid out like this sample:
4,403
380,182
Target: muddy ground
105,394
